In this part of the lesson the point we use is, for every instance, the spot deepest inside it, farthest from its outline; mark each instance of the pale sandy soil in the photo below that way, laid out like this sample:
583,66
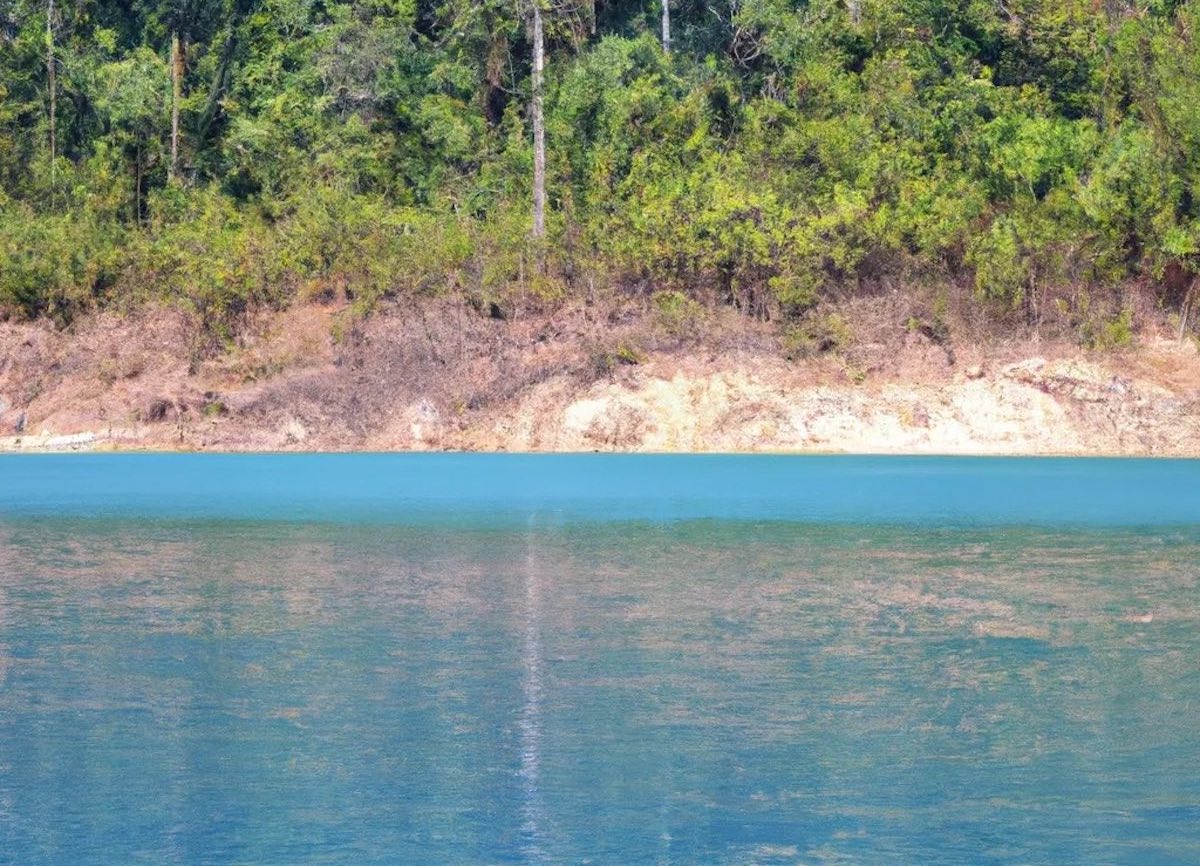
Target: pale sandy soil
439,378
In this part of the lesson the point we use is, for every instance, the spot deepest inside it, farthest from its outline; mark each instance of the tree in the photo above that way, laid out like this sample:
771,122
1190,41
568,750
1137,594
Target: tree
232,14
52,83
539,124
136,105
769,154
176,97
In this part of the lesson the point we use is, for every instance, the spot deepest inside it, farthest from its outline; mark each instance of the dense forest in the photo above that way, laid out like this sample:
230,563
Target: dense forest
768,155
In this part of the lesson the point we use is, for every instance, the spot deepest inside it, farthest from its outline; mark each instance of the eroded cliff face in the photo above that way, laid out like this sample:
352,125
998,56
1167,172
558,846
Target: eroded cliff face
1036,406
311,379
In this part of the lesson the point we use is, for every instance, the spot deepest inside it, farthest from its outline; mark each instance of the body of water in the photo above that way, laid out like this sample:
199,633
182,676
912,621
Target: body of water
452,659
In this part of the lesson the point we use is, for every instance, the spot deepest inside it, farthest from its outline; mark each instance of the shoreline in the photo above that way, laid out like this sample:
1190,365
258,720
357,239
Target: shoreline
556,384
104,448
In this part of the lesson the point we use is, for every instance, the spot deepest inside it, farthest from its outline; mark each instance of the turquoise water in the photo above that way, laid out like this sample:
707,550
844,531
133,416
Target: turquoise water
660,660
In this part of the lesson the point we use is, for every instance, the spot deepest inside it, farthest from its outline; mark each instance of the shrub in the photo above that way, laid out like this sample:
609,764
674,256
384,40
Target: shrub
1112,333
817,335
54,264
676,313
605,359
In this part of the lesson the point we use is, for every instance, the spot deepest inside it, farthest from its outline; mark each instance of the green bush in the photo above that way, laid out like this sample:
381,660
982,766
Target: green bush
204,253
54,264
676,313
817,334
605,359
1111,333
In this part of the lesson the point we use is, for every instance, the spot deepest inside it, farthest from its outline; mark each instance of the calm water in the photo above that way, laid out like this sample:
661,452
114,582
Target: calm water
660,660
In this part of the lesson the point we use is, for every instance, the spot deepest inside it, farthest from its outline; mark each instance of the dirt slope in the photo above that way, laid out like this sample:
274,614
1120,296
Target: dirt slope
442,377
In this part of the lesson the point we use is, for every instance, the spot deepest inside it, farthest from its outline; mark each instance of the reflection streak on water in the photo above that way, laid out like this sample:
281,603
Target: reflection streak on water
532,807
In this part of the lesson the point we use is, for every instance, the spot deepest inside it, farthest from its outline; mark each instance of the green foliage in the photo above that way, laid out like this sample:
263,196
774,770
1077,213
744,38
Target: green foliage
785,155
817,334
200,251
677,314
1112,333
607,359
53,265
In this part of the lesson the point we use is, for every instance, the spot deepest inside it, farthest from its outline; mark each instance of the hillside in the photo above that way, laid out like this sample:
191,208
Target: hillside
661,224
447,378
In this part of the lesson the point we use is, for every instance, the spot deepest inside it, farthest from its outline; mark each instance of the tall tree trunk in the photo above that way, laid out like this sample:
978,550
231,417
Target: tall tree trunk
176,96
50,75
137,188
539,128
666,26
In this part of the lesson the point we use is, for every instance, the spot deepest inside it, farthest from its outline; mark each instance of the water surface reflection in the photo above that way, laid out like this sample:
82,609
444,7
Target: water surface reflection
704,692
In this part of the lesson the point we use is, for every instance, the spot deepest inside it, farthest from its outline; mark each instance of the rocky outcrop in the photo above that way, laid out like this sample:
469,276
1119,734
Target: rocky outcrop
1063,406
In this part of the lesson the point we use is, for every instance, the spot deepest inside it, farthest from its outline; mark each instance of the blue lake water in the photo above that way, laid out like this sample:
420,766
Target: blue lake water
451,659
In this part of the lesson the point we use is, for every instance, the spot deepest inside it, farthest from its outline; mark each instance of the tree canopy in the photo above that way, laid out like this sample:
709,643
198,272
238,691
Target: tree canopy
782,152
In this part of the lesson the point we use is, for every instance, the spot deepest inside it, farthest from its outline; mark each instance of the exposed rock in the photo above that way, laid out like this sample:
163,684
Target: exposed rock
424,422
293,432
72,442
623,426
1078,380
